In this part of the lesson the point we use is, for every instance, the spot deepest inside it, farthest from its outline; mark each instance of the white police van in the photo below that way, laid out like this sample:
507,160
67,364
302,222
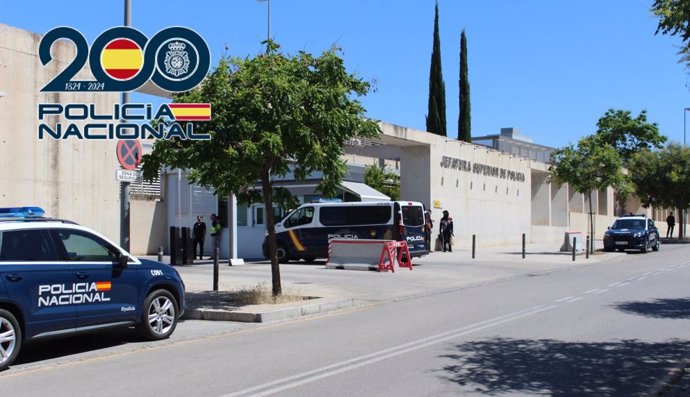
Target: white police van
59,279
304,233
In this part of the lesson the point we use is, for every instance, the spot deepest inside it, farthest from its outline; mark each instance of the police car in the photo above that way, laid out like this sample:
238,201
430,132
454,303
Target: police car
632,232
59,279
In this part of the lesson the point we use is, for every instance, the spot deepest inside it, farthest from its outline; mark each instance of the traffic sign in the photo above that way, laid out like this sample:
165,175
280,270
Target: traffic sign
129,154
128,176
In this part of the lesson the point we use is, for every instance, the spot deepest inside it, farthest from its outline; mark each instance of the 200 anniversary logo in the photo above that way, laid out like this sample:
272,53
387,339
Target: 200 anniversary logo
122,59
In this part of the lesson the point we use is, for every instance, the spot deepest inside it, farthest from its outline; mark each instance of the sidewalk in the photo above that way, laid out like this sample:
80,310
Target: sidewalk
331,289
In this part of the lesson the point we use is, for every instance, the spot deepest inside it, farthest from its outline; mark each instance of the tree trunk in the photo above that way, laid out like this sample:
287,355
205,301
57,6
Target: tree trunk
271,227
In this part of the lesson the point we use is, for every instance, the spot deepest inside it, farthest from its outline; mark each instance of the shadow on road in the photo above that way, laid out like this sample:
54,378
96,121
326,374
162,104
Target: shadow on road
46,350
659,308
556,368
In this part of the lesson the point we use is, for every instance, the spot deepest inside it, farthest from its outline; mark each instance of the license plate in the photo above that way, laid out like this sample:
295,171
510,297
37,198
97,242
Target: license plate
621,243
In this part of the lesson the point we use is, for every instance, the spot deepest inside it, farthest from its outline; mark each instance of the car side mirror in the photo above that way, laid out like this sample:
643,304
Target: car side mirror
122,261
608,228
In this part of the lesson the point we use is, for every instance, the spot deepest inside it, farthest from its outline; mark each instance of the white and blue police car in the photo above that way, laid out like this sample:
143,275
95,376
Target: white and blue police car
60,279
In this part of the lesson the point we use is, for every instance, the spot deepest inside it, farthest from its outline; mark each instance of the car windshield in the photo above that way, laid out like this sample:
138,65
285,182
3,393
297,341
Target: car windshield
628,224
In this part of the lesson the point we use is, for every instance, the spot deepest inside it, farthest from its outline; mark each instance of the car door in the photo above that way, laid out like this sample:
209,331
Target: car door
108,294
38,282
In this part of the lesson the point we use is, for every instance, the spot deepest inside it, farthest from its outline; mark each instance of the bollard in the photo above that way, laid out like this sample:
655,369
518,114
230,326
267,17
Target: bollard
216,255
523,245
474,244
574,245
160,254
587,249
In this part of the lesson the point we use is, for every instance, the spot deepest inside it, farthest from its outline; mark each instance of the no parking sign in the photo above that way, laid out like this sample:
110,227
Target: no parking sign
129,154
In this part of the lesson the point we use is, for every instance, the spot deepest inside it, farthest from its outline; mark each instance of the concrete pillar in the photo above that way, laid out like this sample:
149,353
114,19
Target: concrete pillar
541,199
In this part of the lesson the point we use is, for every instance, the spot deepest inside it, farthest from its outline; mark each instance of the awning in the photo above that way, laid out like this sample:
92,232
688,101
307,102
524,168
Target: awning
364,192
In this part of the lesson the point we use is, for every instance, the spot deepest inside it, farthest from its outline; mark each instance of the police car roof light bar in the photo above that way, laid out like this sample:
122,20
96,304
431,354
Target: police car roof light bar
21,212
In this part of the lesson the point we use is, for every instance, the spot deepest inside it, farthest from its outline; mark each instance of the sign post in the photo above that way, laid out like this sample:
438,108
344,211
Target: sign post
129,154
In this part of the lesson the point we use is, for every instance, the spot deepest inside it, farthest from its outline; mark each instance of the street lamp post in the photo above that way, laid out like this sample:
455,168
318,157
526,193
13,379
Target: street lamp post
268,37
683,214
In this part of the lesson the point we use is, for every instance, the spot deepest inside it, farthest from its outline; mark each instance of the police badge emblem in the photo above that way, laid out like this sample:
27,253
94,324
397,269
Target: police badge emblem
176,59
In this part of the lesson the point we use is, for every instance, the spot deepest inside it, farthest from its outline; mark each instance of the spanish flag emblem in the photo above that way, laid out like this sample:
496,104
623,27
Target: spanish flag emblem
102,286
191,111
122,59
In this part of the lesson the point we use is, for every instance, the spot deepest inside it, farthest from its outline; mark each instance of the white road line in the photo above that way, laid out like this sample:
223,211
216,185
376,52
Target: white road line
642,278
631,278
564,299
602,291
623,284
647,274
348,365
592,291
655,274
579,298
614,284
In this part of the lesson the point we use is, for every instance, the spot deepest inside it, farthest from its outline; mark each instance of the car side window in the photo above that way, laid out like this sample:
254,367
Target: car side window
27,245
84,247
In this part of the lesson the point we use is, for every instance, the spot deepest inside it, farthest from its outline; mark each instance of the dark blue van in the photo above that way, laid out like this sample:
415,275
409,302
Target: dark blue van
304,233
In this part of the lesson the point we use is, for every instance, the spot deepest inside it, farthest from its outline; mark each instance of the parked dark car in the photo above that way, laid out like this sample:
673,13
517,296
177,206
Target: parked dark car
632,232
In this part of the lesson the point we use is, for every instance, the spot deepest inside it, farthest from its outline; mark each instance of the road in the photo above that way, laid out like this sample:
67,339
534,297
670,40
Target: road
611,329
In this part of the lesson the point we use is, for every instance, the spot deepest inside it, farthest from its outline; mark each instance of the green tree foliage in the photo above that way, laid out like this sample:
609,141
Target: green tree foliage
436,116
674,20
590,166
662,178
464,120
628,135
271,114
385,182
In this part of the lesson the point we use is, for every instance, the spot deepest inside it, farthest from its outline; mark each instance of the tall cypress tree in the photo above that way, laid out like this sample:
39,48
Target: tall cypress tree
464,119
436,116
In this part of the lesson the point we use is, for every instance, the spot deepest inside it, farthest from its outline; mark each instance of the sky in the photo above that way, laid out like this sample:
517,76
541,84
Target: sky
548,68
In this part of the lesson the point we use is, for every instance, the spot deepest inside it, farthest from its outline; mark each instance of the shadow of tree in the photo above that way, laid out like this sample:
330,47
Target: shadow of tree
659,308
556,368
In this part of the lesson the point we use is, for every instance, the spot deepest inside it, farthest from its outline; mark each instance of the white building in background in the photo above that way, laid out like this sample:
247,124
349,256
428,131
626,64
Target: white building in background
495,191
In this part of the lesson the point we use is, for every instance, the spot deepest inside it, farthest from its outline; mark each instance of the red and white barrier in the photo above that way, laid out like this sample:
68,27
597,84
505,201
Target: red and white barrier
368,254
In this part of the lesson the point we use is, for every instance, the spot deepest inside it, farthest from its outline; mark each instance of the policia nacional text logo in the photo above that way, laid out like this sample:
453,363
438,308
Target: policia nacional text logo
73,294
122,59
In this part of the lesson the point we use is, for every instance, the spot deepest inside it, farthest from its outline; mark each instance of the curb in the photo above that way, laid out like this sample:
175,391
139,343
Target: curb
275,315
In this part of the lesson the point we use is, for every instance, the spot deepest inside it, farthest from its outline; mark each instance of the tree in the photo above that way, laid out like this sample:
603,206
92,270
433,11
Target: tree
436,116
628,136
662,178
385,182
464,120
590,166
271,114
674,19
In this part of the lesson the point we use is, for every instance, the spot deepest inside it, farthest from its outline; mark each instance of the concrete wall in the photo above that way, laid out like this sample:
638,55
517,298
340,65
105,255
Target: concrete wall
72,179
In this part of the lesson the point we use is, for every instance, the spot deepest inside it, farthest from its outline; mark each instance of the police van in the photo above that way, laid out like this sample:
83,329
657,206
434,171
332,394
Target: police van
305,232
59,279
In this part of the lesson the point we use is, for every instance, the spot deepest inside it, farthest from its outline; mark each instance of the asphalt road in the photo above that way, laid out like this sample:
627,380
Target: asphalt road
612,329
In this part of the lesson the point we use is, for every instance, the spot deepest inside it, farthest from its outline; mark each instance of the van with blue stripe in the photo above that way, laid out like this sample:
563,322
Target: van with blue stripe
305,232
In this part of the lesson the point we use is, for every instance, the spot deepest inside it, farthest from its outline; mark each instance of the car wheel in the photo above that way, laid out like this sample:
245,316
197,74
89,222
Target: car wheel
159,317
644,248
10,338
282,254
656,246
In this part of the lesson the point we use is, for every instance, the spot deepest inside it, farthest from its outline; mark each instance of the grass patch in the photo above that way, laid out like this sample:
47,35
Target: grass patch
262,294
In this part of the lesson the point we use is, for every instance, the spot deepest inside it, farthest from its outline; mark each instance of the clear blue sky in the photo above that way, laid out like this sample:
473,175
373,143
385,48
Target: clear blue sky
549,68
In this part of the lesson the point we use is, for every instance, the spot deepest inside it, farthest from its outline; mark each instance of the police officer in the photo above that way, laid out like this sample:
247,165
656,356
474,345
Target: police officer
215,232
199,235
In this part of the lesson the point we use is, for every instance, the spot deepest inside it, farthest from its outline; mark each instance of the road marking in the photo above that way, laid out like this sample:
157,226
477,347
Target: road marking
565,299
642,278
579,298
655,274
647,274
303,378
631,278
623,284
602,291
614,284
592,291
